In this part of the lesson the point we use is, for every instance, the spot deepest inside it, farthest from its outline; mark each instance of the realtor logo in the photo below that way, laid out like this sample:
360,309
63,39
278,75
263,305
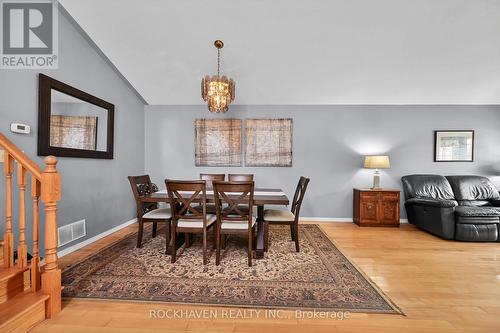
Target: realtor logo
29,34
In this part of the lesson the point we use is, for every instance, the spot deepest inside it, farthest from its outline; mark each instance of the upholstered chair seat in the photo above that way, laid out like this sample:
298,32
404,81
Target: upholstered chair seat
230,225
278,215
160,213
196,223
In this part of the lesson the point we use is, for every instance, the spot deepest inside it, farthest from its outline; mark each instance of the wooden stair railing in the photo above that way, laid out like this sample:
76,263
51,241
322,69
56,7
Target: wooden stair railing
47,185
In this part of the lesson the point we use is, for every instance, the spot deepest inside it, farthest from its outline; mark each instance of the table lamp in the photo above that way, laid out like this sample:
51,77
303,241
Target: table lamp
377,162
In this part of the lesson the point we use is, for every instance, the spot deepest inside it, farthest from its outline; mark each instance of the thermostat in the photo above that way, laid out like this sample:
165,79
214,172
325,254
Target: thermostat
20,128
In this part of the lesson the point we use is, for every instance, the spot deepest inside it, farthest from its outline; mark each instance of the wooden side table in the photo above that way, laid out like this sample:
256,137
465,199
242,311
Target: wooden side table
376,208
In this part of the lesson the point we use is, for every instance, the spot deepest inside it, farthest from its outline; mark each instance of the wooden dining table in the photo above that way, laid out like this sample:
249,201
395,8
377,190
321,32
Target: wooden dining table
262,197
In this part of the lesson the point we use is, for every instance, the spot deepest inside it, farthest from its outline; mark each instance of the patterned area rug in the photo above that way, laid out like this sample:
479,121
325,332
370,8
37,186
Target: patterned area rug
320,277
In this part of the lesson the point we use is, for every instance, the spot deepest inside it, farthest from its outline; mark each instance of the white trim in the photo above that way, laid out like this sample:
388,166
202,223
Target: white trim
335,219
86,242
326,219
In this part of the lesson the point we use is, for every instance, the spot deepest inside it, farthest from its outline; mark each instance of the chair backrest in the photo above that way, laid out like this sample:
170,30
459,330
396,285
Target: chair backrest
183,194
141,186
300,191
240,177
236,195
210,177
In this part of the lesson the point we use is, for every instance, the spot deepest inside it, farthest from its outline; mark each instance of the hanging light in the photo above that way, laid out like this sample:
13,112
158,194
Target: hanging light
217,91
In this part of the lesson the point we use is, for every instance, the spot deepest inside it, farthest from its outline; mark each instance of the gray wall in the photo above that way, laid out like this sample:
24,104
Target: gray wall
92,189
328,146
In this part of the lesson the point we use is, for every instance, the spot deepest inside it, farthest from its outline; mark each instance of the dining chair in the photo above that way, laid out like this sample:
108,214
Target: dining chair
148,211
183,194
233,220
243,177
284,217
209,178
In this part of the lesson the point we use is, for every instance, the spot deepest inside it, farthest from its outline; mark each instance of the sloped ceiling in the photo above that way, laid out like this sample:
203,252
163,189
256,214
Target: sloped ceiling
303,51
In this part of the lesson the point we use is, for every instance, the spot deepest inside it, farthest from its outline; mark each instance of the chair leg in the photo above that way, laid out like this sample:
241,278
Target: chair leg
167,236
266,236
250,236
205,259
218,244
187,240
154,229
215,237
292,231
139,233
173,237
296,237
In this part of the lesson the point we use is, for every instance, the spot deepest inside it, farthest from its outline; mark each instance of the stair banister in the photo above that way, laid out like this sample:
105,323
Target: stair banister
45,184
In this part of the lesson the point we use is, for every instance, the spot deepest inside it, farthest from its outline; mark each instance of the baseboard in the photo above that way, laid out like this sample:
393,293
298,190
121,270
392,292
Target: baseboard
335,219
326,219
86,242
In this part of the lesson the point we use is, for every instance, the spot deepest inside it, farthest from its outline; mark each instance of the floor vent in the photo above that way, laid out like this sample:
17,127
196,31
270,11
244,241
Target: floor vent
71,232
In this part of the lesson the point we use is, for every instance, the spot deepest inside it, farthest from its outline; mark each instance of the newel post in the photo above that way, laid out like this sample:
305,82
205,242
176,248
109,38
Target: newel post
51,276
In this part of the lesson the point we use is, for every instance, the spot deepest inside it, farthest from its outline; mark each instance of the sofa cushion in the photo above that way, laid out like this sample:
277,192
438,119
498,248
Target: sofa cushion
427,186
472,188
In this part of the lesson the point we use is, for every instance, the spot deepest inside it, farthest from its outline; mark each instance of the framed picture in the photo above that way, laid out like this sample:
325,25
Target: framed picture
218,142
454,146
268,142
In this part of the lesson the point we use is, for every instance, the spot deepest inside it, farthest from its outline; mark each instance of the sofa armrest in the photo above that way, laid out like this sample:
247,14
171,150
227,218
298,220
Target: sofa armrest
433,202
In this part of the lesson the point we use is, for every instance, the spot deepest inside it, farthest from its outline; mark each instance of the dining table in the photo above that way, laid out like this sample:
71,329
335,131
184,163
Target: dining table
261,198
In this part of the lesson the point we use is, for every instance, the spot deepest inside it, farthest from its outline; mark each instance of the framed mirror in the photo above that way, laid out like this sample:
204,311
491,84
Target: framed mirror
73,123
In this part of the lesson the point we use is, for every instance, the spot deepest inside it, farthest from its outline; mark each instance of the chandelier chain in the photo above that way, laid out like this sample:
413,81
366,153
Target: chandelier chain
218,62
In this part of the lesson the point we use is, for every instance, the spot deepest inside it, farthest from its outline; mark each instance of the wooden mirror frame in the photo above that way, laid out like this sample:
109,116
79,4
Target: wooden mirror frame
45,85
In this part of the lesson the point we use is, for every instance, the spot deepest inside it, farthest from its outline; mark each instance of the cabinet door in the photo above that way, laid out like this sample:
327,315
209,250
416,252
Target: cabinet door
369,211
389,210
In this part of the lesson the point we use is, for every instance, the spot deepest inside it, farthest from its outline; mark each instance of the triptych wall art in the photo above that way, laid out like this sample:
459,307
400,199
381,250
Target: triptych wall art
268,142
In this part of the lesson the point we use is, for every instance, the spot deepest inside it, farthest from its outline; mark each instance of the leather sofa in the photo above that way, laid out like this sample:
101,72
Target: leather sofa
465,208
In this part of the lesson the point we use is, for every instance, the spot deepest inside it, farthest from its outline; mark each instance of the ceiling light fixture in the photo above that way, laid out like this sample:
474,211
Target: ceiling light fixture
217,91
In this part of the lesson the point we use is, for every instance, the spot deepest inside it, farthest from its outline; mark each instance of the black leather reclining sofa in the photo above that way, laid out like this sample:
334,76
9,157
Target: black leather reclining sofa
465,208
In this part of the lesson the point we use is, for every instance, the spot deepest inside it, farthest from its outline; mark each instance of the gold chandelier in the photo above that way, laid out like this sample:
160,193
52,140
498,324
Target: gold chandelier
217,91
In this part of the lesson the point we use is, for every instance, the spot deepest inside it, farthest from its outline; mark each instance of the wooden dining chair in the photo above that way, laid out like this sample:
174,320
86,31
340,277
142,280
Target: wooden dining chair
186,218
242,177
284,217
148,211
233,220
209,178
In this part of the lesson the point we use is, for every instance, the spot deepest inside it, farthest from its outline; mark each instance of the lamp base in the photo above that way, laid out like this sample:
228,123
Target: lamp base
376,180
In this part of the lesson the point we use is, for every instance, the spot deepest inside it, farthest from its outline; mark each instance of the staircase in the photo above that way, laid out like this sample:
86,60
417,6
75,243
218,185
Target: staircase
30,291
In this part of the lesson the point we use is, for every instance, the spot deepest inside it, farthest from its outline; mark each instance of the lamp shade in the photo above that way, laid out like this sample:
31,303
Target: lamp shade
377,162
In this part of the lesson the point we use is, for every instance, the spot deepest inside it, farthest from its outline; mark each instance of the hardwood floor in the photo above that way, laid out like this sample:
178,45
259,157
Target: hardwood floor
442,286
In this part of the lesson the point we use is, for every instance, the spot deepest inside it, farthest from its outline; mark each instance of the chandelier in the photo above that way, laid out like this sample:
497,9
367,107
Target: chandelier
217,91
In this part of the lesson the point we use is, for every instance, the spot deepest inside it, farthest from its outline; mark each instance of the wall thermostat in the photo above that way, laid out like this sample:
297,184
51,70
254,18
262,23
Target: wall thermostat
20,128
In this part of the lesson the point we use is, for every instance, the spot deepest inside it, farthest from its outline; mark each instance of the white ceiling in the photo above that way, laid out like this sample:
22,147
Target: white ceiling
303,51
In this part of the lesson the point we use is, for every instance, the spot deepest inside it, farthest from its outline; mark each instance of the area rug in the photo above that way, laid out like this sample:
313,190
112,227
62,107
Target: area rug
320,277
